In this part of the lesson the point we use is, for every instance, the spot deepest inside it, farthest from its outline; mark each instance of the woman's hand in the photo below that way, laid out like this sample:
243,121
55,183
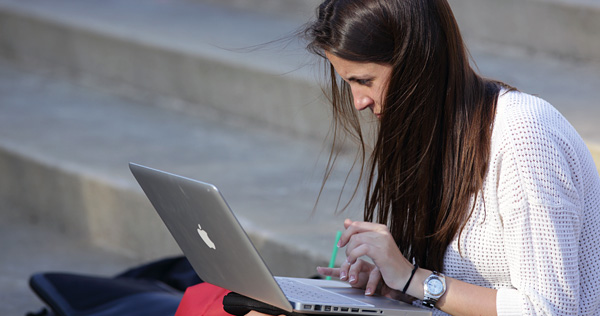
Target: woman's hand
368,278
389,271
362,275
376,242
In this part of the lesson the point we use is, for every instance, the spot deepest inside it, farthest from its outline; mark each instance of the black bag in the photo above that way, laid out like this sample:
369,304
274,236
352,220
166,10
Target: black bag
154,289
240,305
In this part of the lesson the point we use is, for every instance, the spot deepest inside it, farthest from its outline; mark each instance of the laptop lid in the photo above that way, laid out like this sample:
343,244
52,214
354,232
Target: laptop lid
213,241
221,253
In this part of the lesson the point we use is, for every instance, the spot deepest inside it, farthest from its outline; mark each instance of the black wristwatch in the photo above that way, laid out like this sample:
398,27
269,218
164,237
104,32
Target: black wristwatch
434,287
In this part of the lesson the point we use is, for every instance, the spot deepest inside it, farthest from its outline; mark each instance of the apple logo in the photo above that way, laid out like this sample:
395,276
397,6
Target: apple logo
204,235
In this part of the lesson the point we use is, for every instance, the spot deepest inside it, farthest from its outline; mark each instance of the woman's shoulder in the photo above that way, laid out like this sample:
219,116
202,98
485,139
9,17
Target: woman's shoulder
540,146
516,107
522,117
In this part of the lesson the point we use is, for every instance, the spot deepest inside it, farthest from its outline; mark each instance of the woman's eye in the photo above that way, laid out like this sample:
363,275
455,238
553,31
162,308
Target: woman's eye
363,82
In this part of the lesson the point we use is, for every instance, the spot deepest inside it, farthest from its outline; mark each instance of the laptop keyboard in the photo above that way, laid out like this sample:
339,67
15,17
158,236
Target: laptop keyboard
301,292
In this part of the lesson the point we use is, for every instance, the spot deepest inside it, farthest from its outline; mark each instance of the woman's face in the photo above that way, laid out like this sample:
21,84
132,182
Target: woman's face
368,82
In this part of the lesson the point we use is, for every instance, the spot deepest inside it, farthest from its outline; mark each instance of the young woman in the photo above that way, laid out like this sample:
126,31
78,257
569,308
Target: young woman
488,186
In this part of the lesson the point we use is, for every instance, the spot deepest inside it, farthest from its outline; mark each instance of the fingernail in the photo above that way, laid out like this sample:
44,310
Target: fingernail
368,291
352,279
342,275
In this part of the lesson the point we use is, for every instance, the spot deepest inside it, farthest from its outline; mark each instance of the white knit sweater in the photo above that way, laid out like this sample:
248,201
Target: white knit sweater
535,232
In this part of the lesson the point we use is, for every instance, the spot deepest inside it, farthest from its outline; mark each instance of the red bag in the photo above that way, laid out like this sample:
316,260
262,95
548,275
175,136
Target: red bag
203,299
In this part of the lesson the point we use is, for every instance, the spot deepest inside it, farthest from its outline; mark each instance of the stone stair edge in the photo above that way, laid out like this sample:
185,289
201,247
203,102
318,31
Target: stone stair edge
244,101
499,22
83,53
90,207
101,202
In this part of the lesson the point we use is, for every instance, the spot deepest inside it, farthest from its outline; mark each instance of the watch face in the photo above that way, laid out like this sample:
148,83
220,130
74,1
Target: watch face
435,286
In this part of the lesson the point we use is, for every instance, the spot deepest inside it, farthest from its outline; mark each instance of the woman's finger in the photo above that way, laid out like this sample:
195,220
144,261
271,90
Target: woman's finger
332,272
356,227
353,254
344,268
373,282
356,276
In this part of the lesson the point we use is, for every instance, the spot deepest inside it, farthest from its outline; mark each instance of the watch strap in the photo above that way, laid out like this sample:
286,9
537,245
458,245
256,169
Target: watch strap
430,303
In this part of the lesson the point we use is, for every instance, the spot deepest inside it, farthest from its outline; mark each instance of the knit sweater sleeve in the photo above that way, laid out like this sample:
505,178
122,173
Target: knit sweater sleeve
540,204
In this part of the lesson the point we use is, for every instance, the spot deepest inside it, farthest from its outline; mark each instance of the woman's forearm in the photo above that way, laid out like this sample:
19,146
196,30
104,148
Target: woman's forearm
461,298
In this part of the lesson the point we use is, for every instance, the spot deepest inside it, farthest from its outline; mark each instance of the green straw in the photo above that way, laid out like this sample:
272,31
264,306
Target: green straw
334,252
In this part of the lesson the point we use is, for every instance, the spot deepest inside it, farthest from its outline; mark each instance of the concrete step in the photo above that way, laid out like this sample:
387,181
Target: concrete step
63,158
567,28
179,54
26,249
170,53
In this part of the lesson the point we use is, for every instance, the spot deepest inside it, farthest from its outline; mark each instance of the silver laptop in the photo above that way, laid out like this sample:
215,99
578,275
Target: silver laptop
221,253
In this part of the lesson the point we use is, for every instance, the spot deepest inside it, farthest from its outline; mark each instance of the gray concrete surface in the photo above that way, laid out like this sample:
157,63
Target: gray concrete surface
63,156
27,248
196,53
178,54
86,87
78,143
567,28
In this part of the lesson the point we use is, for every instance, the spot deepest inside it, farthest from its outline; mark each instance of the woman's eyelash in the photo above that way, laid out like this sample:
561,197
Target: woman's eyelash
363,82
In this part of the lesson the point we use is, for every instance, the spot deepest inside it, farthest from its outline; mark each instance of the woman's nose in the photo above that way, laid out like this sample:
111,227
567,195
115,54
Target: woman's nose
362,101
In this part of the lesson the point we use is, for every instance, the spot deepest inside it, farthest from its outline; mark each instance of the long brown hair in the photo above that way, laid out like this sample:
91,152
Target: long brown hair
432,149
